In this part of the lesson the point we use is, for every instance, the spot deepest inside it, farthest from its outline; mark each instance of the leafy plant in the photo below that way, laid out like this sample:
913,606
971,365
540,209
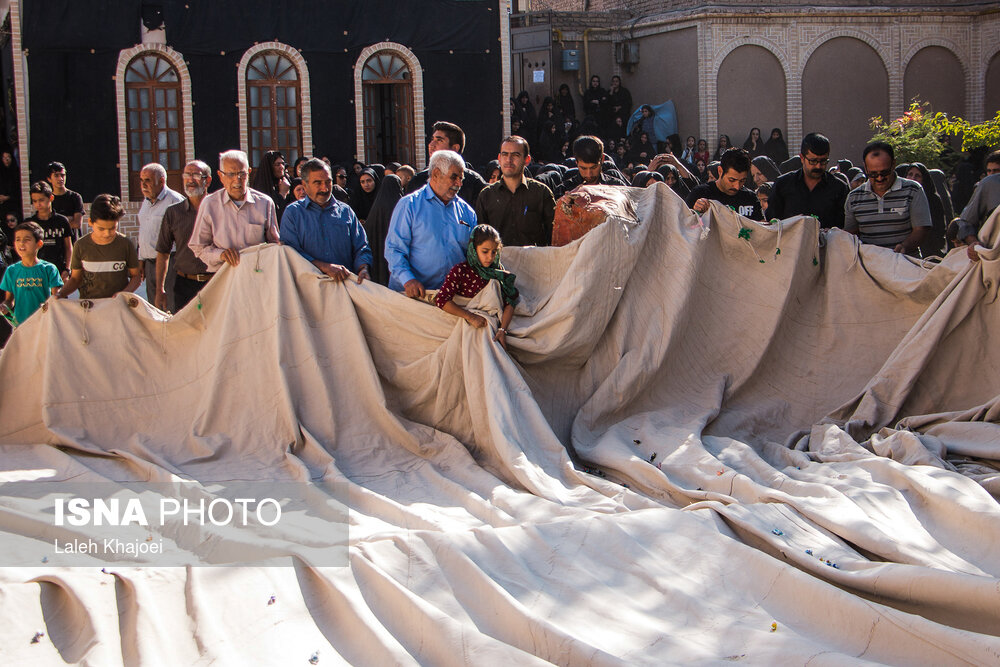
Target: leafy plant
920,135
983,135
916,136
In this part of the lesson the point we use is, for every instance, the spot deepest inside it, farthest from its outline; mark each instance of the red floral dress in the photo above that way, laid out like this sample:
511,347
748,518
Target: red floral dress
462,280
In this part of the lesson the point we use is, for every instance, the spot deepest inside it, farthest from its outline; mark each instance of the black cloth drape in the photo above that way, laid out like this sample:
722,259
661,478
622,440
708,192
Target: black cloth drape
377,225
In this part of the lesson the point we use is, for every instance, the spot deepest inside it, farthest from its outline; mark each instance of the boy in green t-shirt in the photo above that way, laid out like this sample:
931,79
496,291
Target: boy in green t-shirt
29,282
104,262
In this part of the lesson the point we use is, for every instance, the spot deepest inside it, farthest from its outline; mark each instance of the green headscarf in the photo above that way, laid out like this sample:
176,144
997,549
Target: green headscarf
494,271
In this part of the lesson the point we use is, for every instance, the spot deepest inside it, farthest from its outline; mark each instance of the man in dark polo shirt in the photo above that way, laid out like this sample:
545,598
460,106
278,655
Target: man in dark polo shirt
810,190
518,207
729,190
175,232
65,202
888,210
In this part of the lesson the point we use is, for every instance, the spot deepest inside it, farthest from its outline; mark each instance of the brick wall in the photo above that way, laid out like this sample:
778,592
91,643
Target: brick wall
641,8
128,225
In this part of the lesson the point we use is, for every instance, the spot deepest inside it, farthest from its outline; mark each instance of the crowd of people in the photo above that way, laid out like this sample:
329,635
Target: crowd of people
437,234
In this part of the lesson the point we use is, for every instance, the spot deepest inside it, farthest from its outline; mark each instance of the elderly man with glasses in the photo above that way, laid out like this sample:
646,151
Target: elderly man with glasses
888,210
175,232
232,218
429,229
811,190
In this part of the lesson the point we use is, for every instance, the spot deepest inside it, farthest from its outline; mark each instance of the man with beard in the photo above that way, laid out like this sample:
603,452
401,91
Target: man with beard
175,232
810,190
518,207
729,190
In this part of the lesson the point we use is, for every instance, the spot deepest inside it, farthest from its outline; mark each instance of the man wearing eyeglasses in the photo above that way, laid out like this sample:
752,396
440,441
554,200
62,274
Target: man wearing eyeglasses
232,218
811,190
175,232
888,210
430,228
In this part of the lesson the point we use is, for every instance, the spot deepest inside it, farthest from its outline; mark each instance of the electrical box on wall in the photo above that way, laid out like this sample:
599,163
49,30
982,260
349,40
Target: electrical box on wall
627,53
571,60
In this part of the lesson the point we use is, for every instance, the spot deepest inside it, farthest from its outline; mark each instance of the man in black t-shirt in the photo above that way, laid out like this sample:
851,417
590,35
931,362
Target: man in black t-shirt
65,202
728,189
57,247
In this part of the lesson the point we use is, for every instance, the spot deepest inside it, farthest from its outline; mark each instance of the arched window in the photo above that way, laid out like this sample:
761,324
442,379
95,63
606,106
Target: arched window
387,89
153,119
274,106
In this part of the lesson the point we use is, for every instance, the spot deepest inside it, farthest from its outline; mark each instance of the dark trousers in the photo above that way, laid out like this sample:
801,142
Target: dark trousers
149,265
185,289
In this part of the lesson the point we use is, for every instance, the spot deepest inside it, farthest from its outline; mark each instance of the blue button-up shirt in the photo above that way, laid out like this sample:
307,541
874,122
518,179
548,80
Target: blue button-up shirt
330,234
426,238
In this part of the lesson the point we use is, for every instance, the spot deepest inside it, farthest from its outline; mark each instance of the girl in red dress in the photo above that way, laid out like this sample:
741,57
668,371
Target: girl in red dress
482,264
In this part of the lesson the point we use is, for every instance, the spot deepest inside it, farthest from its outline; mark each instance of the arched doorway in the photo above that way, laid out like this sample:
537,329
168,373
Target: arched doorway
935,75
841,106
387,94
992,84
751,93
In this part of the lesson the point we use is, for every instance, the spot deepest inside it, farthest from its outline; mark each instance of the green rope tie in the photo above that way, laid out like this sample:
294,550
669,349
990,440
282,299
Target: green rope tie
745,233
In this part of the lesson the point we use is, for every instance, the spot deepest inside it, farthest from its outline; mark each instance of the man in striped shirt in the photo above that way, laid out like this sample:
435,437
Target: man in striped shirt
888,210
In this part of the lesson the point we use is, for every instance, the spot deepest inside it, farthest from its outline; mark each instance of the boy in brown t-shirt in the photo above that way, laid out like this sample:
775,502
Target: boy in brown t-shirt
104,262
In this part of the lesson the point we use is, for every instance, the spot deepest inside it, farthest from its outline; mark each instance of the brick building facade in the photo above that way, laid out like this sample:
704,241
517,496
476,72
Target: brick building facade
80,96
828,66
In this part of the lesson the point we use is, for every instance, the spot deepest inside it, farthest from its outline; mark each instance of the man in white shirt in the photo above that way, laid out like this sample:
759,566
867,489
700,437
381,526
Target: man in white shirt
157,198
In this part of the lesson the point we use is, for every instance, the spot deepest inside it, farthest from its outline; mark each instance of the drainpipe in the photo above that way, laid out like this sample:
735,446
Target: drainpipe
586,59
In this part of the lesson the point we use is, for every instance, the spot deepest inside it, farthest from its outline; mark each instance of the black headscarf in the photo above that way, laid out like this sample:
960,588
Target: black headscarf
642,179
362,201
766,167
352,177
750,147
776,149
552,178
10,185
387,195
933,243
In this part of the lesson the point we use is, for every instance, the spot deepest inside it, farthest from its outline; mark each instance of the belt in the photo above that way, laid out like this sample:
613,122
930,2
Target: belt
197,277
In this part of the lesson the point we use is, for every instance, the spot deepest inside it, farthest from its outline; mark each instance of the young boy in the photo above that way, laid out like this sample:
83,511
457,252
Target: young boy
29,282
58,245
104,262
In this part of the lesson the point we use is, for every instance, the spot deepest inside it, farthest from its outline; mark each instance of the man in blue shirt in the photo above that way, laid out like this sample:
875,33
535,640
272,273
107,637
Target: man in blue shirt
324,230
430,229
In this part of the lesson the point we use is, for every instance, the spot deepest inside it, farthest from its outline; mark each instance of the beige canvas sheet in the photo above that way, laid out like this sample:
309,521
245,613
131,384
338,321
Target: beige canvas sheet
801,393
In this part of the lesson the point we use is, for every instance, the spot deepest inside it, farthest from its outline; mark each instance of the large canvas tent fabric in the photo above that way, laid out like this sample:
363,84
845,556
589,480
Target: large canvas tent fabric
822,416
